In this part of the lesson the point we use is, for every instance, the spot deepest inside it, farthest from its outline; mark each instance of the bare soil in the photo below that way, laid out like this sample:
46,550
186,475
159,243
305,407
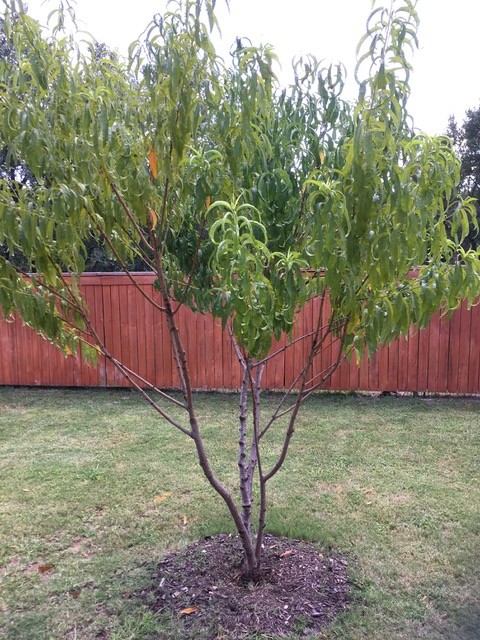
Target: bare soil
301,591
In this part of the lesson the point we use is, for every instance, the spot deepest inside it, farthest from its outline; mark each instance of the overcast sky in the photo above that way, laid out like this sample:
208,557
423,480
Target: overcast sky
445,80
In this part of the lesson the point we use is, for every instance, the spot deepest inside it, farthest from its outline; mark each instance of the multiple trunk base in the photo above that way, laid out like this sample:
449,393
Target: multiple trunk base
202,587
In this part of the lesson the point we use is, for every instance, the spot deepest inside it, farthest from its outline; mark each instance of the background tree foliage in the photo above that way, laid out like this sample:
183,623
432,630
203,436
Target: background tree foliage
466,139
245,199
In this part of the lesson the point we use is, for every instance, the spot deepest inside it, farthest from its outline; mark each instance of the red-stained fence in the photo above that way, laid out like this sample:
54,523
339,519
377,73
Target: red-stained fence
442,358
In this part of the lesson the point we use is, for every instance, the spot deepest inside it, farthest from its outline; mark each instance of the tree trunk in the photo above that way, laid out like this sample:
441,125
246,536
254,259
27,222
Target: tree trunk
243,470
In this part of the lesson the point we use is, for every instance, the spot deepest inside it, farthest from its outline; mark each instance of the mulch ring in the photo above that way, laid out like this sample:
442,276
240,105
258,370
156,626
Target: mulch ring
301,589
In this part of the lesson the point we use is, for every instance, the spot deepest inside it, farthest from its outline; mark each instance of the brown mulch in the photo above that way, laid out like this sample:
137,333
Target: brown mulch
301,591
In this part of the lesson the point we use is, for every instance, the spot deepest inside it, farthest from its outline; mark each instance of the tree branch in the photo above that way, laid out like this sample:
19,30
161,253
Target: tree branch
126,372
296,407
124,267
130,216
194,264
282,349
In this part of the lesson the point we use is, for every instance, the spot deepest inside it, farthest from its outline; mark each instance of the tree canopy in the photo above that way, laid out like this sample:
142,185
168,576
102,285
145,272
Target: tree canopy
244,198
245,185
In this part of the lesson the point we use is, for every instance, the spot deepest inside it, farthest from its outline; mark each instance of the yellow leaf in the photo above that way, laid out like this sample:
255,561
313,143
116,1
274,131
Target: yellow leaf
163,497
208,201
68,351
321,156
189,610
286,553
153,218
184,520
152,158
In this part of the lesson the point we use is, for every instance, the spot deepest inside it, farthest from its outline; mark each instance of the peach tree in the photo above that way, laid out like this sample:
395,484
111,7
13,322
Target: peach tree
245,199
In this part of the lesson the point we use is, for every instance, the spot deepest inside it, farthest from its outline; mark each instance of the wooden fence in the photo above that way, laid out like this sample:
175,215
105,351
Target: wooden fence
442,358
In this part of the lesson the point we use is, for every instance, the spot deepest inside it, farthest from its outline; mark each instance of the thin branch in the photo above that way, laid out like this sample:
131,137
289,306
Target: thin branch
74,303
291,424
282,349
342,340
121,367
164,200
175,340
315,347
325,373
301,212
194,265
130,216
125,268
299,400
361,284
334,367
164,241
150,401
241,358
155,389
52,290
139,251
123,370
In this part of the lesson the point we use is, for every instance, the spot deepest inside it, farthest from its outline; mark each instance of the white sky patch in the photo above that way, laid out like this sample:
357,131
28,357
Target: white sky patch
445,79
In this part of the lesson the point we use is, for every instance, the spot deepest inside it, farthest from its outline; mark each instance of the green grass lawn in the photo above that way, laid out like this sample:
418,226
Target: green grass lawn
393,482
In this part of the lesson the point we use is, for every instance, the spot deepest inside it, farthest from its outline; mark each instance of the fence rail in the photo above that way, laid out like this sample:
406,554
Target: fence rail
442,358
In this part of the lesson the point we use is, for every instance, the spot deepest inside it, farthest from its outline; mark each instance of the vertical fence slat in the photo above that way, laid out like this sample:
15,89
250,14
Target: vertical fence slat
410,364
454,352
201,344
465,347
102,373
116,338
473,385
326,360
443,355
163,357
217,363
422,360
391,381
7,339
382,368
433,352
363,383
140,312
403,345
108,332
373,373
